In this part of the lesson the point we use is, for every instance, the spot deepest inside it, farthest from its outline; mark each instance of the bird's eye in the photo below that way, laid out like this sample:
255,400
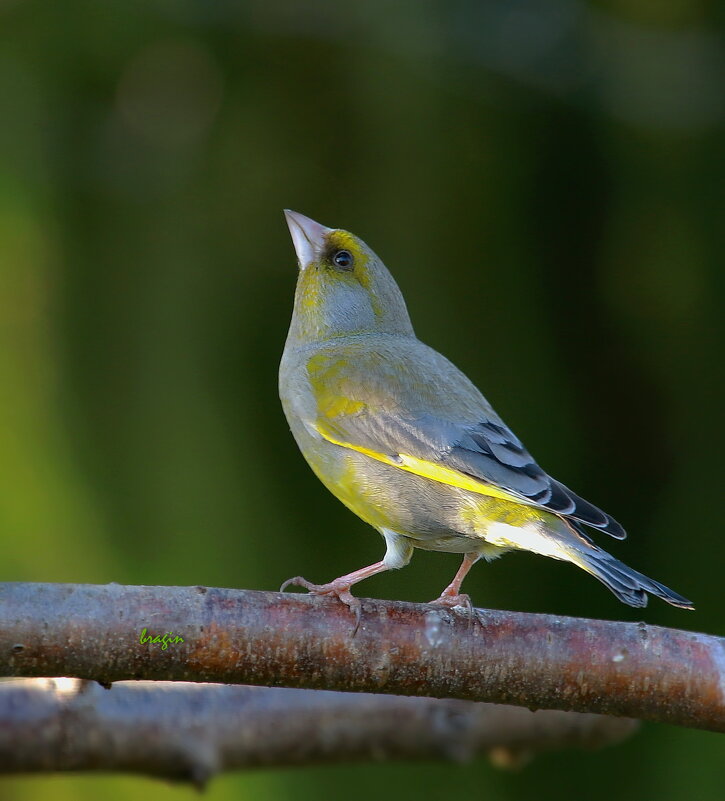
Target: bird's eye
343,259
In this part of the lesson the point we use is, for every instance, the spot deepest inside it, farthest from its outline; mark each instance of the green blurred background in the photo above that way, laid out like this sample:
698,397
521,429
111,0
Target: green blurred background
545,182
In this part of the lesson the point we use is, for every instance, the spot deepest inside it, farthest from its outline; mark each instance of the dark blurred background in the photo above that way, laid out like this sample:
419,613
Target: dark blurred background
545,181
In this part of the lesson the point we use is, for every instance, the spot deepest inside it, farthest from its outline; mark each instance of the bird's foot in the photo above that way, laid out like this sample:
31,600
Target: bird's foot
450,600
338,589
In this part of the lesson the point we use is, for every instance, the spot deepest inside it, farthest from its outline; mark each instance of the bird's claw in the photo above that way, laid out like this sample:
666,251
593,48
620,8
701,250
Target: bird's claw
450,601
339,590
298,581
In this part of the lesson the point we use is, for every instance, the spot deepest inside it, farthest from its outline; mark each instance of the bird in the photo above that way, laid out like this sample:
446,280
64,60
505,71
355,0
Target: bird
408,443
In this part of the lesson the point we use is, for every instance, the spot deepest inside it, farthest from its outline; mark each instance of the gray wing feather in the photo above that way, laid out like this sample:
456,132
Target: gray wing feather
493,451
488,451
445,420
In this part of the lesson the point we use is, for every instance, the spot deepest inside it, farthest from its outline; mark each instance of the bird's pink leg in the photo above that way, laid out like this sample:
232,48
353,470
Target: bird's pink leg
340,587
452,595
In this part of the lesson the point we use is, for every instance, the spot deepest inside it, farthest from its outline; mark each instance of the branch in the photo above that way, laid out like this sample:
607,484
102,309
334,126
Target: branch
243,637
190,732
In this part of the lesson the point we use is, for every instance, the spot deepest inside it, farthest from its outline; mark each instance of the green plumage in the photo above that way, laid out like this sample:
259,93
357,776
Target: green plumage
406,440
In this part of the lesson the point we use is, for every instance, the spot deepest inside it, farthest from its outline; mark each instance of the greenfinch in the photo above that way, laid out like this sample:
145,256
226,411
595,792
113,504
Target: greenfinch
407,442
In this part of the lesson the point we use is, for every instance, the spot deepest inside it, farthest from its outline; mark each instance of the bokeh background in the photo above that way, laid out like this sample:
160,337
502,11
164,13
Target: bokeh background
545,180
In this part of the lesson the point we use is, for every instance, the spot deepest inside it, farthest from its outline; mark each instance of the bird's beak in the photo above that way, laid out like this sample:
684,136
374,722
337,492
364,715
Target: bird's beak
308,237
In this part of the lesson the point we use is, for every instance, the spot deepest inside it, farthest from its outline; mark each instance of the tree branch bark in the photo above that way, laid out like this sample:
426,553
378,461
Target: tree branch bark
245,637
191,732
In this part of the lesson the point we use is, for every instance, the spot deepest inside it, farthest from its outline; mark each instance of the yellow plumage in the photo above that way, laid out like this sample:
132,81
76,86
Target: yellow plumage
408,443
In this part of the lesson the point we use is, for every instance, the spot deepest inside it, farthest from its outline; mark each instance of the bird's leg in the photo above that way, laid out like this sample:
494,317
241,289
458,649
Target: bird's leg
340,587
452,595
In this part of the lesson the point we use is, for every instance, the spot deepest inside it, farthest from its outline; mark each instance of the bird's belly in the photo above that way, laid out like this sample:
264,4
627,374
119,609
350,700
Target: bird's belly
434,515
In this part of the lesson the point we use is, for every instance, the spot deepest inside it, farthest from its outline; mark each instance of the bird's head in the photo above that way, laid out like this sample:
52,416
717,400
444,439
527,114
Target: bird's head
343,288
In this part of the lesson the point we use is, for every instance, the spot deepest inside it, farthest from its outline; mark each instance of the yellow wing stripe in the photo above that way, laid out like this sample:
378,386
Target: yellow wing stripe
426,469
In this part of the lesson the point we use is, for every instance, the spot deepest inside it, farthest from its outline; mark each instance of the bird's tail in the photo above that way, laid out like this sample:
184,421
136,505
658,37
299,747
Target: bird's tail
568,541
627,584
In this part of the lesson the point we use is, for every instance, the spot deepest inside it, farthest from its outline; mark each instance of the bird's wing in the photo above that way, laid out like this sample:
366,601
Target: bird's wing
404,404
